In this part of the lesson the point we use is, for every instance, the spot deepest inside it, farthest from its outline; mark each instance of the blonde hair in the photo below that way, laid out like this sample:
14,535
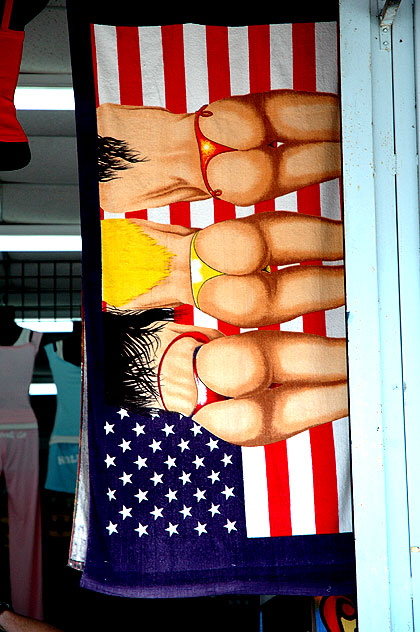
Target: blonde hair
132,261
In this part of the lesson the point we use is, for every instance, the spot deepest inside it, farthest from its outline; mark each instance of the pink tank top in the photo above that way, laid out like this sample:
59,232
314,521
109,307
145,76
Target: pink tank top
16,370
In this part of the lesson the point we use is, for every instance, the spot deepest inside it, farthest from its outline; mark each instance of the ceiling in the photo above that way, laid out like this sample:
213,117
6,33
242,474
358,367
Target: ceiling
43,196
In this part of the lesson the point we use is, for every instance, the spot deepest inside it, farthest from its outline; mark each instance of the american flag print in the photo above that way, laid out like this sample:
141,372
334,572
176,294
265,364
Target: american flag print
165,508
168,479
300,486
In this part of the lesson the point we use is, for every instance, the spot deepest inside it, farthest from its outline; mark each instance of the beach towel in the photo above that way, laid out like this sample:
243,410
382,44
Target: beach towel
216,431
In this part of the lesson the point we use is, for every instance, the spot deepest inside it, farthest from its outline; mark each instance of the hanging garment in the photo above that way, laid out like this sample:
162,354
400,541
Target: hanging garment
64,440
14,15
16,369
19,461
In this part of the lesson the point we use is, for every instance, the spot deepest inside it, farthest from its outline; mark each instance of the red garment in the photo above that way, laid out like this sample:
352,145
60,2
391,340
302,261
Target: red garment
11,47
204,394
208,149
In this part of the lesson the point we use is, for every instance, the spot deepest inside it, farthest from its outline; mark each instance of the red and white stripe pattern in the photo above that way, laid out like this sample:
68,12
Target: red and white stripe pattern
302,485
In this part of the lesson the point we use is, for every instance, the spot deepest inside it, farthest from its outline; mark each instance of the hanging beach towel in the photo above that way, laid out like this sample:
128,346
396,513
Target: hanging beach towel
215,443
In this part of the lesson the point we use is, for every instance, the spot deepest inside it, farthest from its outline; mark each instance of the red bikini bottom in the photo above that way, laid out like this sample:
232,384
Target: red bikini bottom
205,395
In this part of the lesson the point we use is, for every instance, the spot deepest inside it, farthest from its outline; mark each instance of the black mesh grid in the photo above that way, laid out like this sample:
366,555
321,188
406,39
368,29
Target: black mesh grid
39,288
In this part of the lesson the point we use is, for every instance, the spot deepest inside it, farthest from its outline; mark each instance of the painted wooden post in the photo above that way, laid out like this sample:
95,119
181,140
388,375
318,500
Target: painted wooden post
383,293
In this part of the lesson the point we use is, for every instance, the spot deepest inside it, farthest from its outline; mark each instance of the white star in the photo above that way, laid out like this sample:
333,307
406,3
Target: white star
196,429
214,476
186,511
214,509
138,429
170,462
123,413
126,512
228,492
111,493
142,529
168,429
227,460
110,460
125,478
200,494
109,427
157,513
184,445
141,496
156,478
112,528
171,495
230,526
125,445
140,462
155,445
213,444
198,462
172,529
200,528
185,478
154,414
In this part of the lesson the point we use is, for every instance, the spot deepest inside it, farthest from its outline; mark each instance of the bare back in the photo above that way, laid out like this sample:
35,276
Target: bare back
253,133
169,172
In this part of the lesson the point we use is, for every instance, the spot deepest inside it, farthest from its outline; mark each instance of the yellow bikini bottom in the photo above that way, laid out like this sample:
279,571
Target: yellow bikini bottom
201,272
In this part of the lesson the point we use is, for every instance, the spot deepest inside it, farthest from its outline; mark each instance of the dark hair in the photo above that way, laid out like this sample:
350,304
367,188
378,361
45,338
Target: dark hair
113,156
130,344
